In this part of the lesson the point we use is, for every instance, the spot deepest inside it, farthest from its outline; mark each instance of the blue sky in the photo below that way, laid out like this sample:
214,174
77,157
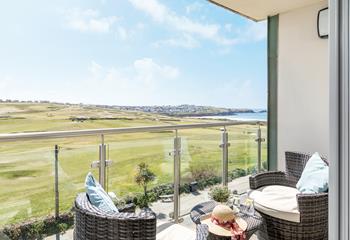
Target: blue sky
131,52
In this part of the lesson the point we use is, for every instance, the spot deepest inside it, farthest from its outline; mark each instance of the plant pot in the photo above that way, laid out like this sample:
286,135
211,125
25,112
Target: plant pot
193,187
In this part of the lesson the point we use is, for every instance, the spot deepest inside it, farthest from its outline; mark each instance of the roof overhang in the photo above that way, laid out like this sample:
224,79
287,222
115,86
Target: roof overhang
258,10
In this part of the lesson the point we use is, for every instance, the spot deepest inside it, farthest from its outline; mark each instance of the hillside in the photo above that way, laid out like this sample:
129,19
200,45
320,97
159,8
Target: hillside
29,117
184,110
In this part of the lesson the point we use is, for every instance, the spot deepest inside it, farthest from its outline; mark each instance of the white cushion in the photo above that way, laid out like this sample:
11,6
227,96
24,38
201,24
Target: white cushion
277,201
314,178
176,232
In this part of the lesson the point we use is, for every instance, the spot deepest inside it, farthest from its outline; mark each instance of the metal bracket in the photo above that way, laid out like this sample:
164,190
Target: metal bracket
260,139
96,164
173,153
224,144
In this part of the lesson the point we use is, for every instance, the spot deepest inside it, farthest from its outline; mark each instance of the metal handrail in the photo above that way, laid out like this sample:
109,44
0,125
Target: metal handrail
10,137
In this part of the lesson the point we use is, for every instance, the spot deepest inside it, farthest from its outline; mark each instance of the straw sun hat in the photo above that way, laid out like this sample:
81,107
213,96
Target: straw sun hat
223,214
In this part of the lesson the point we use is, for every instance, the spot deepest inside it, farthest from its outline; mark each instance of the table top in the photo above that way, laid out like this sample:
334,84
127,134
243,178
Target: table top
254,222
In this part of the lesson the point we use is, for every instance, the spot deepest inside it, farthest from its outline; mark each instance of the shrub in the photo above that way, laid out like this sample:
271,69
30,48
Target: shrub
120,202
237,173
209,182
152,196
39,228
202,172
128,198
135,199
142,201
187,177
252,170
144,176
220,194
164,189
185,188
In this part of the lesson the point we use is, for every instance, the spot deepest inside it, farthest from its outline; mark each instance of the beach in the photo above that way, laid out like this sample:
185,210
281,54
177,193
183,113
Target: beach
256,116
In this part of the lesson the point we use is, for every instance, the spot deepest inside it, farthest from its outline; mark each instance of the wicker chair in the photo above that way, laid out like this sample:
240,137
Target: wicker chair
313,208
93,224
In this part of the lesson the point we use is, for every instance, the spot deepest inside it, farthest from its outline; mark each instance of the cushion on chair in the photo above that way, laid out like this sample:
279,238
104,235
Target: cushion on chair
314,178
277,201
98,196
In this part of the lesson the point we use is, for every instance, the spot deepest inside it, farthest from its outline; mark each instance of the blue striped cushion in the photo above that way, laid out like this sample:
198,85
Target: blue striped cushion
97,195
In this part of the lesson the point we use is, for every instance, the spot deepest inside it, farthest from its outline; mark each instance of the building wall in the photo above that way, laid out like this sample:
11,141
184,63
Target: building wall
303,84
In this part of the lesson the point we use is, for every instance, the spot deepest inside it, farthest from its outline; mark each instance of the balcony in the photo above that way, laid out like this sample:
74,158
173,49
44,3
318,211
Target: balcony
307,112
44,171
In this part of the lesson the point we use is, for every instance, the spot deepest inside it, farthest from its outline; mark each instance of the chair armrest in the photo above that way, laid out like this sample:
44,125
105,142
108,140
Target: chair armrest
143,215
269,178
313,207
202,232
127,208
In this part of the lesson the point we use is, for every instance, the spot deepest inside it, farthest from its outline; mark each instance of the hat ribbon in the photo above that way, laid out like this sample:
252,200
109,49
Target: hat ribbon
236,231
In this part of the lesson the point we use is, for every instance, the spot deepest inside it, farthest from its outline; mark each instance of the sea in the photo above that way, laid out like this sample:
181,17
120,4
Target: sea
256,116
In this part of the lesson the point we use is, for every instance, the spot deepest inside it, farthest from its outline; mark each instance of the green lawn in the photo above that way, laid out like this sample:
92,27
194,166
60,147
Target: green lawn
26,168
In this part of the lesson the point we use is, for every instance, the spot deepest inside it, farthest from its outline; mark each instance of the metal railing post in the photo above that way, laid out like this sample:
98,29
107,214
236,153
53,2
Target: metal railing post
177,176
102,163
57,199
259,140
224,145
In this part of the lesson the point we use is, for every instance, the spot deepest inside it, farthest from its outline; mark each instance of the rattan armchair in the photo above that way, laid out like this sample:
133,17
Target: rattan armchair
313,208
93,224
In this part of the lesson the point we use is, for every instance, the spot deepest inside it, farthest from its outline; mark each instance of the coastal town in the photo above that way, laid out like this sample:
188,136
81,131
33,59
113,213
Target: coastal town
184,110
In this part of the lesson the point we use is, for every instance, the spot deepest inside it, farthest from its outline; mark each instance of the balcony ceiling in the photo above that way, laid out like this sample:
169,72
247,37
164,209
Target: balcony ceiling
260,9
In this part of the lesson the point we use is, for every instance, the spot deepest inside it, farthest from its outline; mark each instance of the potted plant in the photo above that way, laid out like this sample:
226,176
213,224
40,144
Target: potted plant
143,177
220,194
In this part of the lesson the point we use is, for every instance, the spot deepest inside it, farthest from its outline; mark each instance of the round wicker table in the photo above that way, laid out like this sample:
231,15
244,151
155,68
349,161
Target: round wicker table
254,222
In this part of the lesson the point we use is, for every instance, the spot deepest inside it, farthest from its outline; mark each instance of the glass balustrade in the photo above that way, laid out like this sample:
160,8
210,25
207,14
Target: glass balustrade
27,168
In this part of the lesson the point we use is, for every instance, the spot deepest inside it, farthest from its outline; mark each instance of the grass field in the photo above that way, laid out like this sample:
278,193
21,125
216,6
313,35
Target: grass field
26,167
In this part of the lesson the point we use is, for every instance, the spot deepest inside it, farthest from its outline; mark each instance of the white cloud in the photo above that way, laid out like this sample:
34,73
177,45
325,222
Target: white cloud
253,32
139,83
126,34
152,7
122,33
25,88
95,69
224,51
147,71
186,41
193,30
88,20
142,82
196,6
161,14
238,93
228,27
4,81
140,26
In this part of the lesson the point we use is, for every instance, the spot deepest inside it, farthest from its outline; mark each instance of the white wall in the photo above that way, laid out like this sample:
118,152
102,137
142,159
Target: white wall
303,84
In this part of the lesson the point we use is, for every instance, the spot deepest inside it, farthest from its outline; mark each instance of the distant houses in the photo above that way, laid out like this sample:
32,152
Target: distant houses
184,110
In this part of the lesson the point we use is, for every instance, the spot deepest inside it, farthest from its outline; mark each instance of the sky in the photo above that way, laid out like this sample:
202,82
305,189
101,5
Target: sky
131,52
